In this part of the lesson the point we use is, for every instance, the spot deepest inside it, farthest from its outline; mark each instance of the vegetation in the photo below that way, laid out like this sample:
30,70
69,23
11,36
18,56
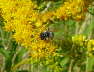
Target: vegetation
66,46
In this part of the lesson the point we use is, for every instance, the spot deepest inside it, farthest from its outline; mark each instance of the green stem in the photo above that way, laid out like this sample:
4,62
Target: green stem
71,66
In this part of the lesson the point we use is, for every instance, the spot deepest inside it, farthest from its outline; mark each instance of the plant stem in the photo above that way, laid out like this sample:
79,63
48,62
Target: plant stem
71,66
85,23
48,5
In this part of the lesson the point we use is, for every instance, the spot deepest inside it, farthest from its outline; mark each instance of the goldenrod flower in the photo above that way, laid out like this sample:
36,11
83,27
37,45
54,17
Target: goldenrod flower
78,39
90,47
26,23
74,9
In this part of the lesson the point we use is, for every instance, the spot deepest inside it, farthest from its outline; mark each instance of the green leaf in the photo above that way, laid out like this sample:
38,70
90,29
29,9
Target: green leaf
4,52
64,61
19,55
90,64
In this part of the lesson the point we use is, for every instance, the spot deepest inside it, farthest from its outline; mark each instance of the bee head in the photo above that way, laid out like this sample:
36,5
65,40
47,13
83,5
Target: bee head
46,35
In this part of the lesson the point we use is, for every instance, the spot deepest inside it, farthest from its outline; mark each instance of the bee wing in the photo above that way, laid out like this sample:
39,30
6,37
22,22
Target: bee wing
52,29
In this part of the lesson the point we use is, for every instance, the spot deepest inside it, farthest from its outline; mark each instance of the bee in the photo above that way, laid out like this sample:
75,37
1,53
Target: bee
46,35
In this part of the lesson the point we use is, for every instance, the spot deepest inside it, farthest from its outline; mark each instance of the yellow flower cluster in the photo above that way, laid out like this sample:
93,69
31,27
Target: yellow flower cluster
90,47
74,9
42,49
26,23
82,41
14,12
78,39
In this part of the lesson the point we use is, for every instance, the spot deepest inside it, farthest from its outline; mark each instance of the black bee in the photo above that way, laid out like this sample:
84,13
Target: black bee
46,35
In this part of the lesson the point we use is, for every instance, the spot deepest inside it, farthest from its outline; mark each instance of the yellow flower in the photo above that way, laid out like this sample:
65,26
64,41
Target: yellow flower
90,45
38,23
47,16
43,49
78,39
26,25
74,9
